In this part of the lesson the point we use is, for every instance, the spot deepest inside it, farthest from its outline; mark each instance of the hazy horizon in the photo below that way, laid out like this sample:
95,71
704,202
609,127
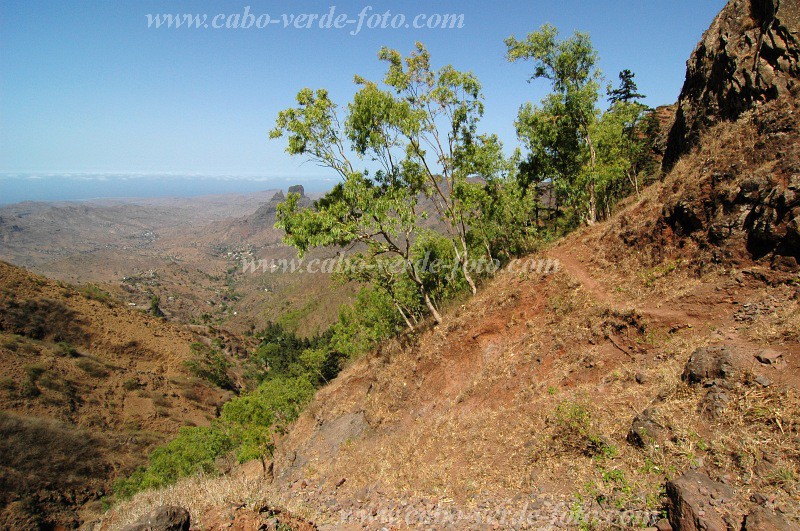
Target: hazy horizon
89,85
17,187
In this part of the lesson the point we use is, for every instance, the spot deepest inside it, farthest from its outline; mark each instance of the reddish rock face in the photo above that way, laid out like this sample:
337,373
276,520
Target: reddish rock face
697,502
750,54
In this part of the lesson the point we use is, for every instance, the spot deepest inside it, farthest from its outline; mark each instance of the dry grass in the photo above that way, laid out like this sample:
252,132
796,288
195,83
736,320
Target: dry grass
475,407
197,494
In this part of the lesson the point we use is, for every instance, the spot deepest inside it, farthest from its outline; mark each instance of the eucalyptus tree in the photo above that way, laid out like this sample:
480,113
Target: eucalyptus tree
418,127
559,132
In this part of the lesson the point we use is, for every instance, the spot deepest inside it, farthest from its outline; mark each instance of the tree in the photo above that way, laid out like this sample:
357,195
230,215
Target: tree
155,306
560,131
419,128
627,90
633,124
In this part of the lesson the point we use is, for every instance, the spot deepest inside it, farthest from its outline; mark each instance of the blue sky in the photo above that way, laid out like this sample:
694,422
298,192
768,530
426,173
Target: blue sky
87,87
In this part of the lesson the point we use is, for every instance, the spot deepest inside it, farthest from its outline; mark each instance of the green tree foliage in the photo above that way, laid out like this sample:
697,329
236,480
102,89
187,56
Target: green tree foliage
419,127
246,427
627,91
591,158
155,306
624,137
559,132
211,365
371,318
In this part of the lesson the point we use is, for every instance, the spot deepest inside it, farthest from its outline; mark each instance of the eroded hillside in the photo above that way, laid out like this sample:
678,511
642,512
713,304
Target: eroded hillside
651,379
89,386
570,397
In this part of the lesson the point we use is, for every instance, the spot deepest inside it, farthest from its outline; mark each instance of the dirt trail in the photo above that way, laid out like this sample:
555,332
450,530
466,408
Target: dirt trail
668,316
700,311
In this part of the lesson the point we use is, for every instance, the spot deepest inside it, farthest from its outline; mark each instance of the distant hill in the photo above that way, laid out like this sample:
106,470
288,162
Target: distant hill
653,374
87,387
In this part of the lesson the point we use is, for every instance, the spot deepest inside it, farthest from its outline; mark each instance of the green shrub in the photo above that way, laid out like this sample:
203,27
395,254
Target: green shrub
160,400
245,428
371,319
94,292
11,344
40,319
193,450
155,306
92,368
34,372
572,426
211,365
29,388
64,349
131,384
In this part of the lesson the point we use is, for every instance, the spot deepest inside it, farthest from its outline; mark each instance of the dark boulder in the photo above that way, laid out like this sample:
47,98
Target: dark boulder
761,519
164,518
697,502
708,364
646,430
748,55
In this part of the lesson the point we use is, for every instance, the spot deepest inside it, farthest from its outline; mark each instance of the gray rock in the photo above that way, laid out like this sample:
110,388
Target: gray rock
763,381
164,518
761,519
689,504
645,430
663,525
708,364
714,403
297,189
769,356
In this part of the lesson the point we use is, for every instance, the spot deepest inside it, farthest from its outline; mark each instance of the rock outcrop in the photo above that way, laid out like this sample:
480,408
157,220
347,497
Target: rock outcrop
297,189
697,502
165,518
265,215
750,54
710,363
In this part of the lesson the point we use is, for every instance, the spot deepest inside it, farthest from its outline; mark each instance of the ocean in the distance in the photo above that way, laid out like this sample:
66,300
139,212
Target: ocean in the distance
18,187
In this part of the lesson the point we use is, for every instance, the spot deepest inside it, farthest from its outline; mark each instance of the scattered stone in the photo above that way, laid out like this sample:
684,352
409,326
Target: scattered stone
787,264
641,378
663,525
714,403
689,504
751,311
763,381
769,357
761,519
645,430
758,498
164,518
708,364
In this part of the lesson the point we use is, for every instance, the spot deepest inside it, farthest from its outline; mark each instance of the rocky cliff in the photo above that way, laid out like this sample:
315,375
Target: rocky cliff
749,55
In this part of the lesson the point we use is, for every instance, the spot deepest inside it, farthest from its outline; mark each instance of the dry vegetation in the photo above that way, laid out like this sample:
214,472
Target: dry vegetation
88,388
526,394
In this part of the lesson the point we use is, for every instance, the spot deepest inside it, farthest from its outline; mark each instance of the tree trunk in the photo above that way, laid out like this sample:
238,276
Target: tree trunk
463,258
405,318
412,274
429,303
592,217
